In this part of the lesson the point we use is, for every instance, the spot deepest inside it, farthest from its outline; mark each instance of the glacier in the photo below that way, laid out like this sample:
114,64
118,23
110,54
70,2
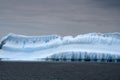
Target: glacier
100,47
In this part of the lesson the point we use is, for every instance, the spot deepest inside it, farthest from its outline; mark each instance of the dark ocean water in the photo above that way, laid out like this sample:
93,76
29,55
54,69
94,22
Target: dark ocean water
59,71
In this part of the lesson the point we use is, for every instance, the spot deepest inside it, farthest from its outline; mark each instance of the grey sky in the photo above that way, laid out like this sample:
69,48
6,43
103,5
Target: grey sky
62,17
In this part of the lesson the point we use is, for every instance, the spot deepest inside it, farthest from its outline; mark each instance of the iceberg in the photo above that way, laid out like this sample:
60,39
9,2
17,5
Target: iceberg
85,47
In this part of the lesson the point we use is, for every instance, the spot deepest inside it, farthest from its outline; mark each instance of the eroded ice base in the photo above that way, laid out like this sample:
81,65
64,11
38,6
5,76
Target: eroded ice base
65,52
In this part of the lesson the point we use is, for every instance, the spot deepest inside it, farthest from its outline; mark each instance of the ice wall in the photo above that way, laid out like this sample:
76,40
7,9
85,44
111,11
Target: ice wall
90,46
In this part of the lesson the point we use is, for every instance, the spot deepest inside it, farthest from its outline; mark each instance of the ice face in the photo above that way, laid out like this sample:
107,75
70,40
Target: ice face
85,47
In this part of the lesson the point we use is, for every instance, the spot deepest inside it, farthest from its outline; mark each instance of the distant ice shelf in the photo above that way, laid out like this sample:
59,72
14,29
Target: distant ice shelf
85,47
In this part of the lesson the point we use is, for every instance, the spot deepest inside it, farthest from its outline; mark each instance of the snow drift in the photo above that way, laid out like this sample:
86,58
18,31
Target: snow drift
85,47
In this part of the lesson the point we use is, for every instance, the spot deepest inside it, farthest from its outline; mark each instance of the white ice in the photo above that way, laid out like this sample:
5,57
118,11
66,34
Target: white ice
85,46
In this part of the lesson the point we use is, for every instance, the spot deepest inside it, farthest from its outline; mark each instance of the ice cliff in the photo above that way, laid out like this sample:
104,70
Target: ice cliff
85,47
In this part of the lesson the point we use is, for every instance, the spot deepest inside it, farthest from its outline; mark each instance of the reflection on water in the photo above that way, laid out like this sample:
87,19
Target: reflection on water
63,60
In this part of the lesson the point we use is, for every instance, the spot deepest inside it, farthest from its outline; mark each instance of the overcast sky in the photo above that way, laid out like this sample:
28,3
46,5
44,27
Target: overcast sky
62,17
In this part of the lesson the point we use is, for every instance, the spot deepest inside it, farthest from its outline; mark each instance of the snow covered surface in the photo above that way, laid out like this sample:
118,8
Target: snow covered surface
91,47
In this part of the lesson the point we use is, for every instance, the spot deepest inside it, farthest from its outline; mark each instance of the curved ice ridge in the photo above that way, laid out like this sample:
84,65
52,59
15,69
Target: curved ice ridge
89,46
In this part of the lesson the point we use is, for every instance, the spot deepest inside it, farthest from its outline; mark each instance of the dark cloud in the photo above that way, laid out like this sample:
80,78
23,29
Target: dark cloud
108,3
62,17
